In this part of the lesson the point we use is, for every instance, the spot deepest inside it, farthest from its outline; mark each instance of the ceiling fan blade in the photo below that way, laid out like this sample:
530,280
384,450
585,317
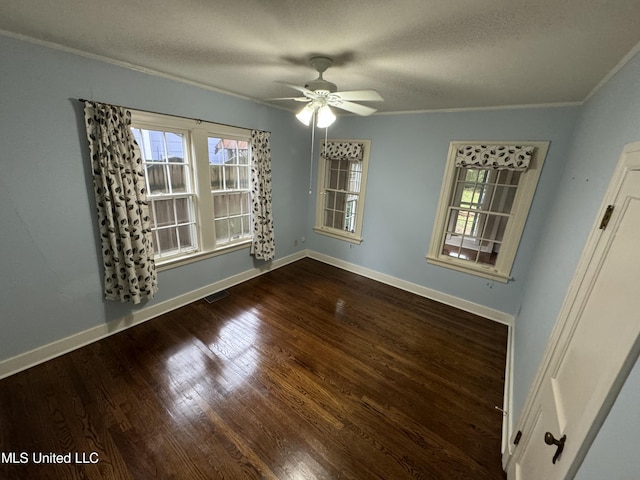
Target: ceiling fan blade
305,91
360,96
297,99
353,107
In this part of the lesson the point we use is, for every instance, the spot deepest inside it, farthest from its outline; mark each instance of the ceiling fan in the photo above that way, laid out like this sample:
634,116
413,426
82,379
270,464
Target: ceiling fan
320,95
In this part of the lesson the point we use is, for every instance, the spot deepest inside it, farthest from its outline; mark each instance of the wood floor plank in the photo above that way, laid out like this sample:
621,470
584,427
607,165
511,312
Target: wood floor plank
306,372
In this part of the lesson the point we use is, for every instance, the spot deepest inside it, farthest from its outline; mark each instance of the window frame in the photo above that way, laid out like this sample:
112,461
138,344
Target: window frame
355,236
197,134
522,201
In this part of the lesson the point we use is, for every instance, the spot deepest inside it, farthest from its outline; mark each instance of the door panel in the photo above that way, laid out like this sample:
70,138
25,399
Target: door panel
588,368
536,462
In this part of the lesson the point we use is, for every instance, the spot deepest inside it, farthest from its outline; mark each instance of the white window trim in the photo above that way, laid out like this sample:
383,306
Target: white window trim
356,236
501,271
198,131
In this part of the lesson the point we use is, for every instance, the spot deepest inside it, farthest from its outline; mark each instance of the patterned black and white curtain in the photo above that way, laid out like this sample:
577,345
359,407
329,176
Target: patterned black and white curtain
123,213
263,244
342,150
497,157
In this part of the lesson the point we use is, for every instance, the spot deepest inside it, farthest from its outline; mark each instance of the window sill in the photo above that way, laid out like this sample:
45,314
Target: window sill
196,257
461,266
333,233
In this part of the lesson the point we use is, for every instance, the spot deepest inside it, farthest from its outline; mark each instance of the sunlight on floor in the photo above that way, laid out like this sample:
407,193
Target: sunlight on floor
229,360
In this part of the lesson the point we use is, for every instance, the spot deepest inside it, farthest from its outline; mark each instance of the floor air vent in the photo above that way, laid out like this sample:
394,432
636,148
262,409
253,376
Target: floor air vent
214,297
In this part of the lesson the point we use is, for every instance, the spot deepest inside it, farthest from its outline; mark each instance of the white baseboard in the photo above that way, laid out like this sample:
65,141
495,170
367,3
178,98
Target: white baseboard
481,310
60,347
507,404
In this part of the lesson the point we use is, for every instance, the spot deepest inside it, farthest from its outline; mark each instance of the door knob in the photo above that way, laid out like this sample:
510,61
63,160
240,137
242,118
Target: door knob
550,440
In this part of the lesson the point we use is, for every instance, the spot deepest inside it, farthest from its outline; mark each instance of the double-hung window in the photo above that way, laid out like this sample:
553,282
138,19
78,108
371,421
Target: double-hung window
197,175
484,202
168,167
342,175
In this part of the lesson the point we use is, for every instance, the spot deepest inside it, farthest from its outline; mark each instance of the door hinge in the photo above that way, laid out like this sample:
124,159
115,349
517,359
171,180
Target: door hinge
606,217
518,437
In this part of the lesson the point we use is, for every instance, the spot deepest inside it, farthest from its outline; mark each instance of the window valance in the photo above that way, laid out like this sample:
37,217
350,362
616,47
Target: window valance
497,157
343,150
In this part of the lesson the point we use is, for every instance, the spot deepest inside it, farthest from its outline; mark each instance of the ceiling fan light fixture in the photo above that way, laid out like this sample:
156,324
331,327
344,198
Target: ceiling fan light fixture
325,117
306,114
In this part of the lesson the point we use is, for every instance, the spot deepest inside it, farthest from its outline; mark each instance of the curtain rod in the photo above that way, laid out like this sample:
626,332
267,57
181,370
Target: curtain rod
199,120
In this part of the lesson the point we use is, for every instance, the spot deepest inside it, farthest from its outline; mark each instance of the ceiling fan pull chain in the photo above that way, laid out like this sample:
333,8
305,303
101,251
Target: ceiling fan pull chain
313,139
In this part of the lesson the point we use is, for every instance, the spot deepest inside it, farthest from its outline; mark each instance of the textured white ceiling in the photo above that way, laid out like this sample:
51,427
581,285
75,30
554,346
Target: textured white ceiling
419,54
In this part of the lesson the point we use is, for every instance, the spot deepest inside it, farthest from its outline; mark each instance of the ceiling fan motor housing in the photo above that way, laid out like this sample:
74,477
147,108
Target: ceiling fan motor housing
321,84
321,64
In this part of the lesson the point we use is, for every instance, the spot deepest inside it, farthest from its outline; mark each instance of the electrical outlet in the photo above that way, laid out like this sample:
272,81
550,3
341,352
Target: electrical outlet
295,242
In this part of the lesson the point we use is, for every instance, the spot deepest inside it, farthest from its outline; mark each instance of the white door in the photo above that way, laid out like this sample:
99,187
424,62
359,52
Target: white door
598,346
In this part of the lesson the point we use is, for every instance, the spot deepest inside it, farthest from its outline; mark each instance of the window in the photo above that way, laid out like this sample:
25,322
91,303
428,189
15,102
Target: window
167,166
484,202
342,173
229,168
197,176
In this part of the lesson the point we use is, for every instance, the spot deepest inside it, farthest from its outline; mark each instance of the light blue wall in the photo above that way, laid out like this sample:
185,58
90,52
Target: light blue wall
406,168
50,279
608,121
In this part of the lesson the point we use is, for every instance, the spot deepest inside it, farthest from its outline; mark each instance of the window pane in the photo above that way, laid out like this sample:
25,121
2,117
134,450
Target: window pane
168,240
138,136
246,225
175,147
341,201
235,227
330,199
178,178
220,206
244,177
503,199
328,218
495,227
231,178
469,174
457,221
216,151
216,177
164,212
222,230
508,177
246,203
152,219
155,140
450,251
157,177
465,194
334,174
235,202
243,153
355,176
182,210
350,213
186,237
343,179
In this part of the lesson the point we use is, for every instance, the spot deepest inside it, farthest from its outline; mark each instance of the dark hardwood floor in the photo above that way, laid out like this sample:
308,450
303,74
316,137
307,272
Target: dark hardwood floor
307,372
